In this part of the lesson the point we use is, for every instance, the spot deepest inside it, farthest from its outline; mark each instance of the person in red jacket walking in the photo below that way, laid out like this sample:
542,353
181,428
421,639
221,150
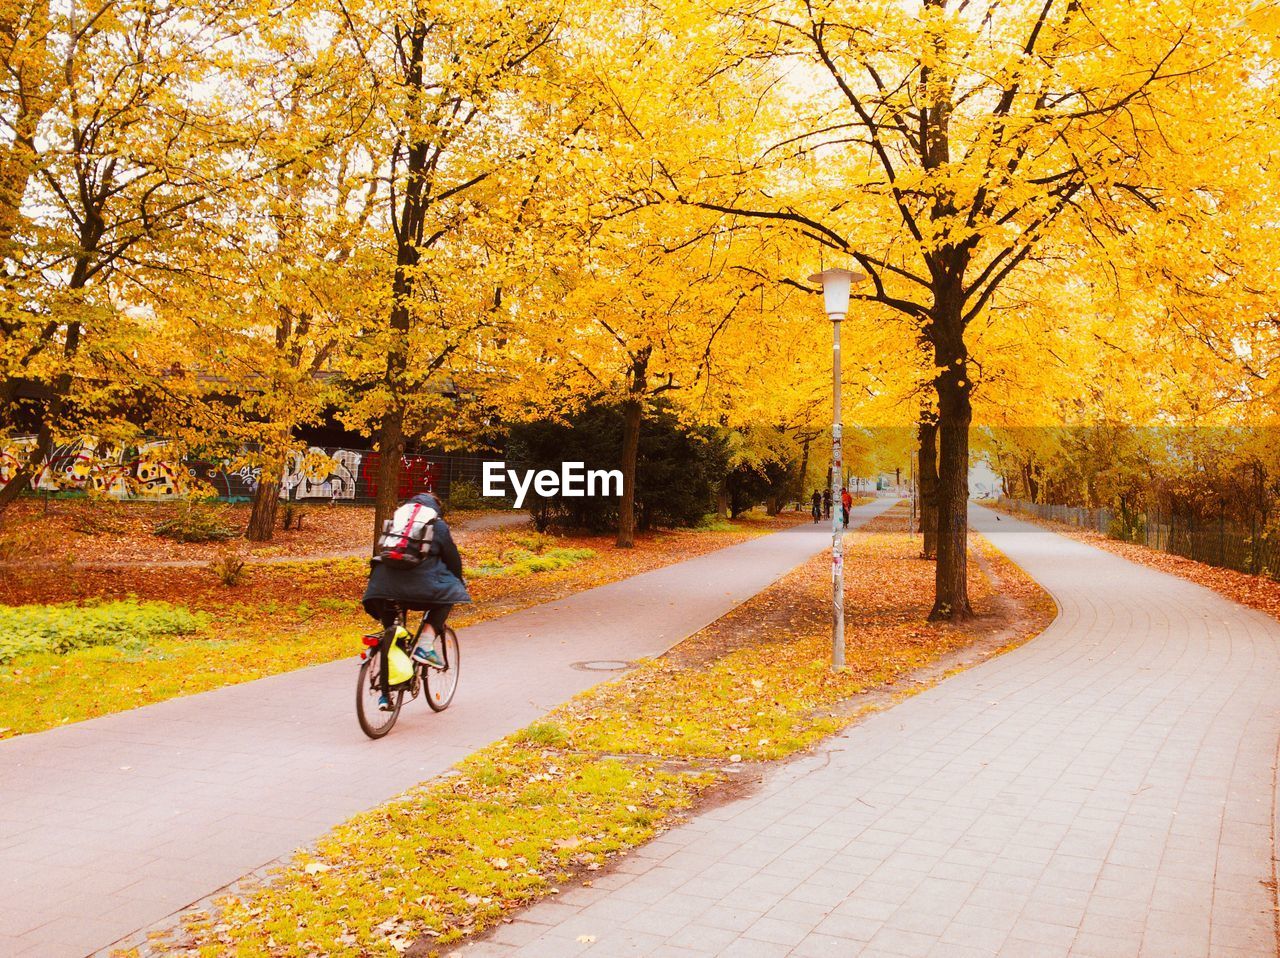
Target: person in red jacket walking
846,503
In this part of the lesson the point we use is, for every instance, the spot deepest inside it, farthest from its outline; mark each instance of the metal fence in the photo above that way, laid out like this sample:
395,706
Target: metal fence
1214,541
1099,520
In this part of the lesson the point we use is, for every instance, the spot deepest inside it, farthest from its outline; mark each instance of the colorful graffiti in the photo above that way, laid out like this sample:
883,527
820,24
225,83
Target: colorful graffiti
148,471
318,474
151,470
416,473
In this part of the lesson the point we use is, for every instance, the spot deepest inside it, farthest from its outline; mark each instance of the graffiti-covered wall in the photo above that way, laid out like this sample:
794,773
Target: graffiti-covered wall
155,470
146,471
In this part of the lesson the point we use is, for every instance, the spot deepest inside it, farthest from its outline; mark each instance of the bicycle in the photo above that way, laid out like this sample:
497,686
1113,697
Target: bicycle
439,682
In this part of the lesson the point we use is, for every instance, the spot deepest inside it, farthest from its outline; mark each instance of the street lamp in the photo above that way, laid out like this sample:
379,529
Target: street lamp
835,293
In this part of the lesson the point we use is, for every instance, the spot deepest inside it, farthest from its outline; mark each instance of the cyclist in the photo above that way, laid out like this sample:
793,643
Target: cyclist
816,511
433,586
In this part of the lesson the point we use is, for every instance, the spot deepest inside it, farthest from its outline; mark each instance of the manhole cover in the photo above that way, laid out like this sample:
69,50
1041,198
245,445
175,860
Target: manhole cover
602,665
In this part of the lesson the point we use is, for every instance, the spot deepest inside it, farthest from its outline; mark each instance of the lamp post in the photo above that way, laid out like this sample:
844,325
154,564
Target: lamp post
836,284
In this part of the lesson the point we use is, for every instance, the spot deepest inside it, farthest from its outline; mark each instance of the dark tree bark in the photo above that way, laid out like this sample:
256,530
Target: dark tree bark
632,414
951,600
722,498
804,473
632,417
1030,487
391,445
409,234
262,517
928,471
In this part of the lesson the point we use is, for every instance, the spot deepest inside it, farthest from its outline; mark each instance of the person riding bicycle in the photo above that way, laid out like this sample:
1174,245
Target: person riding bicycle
433,586
816,511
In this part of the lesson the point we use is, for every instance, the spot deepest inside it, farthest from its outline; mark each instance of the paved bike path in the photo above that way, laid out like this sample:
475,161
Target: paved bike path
110,825
1105,791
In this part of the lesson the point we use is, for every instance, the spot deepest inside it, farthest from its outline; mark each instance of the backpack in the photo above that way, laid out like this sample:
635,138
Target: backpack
407,536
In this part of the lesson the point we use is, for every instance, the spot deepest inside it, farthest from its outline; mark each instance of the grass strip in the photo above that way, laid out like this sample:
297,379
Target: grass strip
525,562
44,690
451,857
64,627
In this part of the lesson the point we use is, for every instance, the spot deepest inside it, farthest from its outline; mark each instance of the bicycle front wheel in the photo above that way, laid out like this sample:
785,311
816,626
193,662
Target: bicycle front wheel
443,682
374,721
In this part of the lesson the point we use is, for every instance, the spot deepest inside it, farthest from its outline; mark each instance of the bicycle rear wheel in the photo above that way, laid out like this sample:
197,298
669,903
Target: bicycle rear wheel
375,722
443,682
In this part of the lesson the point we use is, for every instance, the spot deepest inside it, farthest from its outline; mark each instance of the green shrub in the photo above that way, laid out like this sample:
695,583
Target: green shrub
535,542
523,562
466,495
1128,528
550,561
62,628
195,522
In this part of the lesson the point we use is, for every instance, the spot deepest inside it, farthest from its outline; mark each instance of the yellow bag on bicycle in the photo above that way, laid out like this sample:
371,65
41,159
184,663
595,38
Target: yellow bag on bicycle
399,668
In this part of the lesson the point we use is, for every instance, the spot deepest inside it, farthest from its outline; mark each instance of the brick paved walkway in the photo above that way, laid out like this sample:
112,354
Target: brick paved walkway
110,826
1105,790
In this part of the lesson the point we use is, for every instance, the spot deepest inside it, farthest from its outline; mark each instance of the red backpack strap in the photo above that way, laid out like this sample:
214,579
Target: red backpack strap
403,544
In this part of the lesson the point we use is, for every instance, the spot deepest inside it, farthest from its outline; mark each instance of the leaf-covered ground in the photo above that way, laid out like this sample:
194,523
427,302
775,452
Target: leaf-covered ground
102,531
567,795
1256,591
287,616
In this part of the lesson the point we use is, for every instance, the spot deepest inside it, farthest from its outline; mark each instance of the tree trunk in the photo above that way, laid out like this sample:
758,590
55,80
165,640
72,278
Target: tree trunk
390,460
722,498
928,469
266,504
951,601
631,416
804,475
408,236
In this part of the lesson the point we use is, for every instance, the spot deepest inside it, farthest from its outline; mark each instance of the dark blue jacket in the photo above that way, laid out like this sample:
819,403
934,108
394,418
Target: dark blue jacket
437,580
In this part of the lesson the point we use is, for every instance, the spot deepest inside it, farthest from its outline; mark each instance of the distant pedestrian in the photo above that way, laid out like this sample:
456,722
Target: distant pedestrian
846,503
826,503
817,505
